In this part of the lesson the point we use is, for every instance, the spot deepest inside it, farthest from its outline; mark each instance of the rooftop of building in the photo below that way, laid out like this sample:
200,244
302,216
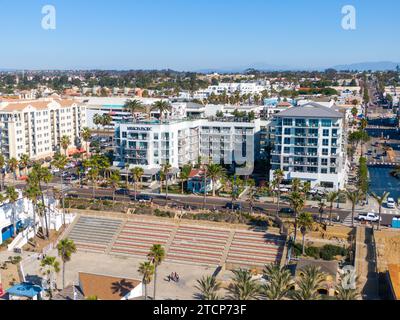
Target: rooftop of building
106,287
310,110
394,276
39,104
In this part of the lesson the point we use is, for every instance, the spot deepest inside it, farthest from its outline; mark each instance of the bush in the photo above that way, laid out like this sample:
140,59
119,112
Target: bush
329,252
313,252
81,207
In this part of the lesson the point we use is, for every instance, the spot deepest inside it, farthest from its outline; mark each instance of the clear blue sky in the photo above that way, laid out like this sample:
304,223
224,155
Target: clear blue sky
196,34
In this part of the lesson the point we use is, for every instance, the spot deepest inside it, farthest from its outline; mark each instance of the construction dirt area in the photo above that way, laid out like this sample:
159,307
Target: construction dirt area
388,248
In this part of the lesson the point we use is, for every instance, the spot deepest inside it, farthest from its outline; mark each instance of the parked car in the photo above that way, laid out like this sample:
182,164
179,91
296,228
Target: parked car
370,216
122,192
390,203
286,211
144,198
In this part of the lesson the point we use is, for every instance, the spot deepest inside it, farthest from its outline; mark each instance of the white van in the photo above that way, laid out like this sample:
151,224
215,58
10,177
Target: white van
390,203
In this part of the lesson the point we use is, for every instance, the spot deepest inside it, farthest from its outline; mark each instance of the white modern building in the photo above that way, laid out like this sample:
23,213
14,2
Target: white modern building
35,127
309,144
150,144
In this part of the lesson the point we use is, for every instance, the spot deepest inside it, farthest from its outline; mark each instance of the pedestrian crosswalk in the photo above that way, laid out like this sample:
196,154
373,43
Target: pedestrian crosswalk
347,221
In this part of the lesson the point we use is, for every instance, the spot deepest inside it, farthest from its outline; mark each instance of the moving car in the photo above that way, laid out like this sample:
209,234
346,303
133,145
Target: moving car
144,198
233,206
286,211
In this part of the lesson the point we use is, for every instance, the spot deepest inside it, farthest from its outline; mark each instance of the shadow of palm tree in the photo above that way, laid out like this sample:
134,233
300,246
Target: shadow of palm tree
122,287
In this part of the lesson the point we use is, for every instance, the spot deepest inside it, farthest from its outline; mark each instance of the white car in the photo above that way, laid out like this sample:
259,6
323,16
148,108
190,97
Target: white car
390,203
370,216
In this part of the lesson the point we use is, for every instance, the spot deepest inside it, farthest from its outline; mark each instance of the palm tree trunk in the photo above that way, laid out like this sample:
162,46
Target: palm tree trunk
330,214
34,219
302,243
145,291
14,222
155,282
62,199
135,187
278,200
63,275
182,181
45,216
352,215
295,226
379,221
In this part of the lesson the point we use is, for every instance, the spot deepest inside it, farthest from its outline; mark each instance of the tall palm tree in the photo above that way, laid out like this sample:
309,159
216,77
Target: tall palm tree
310,281
60,162
2,164
215,172
296,185
156,256
32,193
166,169
146,269
49,266
23,162
331,198
12,197
345,290
13,166
381,200
297,203
243,287
184,175
353,197
137,173
66,248
38,176
65,142
86,135
208,287
304,222
278,177
278,284
163,106
113,181
133,106
93,176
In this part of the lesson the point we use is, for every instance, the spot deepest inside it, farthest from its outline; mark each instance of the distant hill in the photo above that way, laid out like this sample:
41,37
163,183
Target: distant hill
365,66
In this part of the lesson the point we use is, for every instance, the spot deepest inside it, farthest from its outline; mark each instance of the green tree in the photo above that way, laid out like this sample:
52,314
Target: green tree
137,174
215,172
163,107
49,266
208,288
243,287
184,175
166,170
134,106
65,142
146,269
86,135
2,164
156,256
12,197
24,162
305,222
13,166
381,200
331,198
32,193
297,203
279,281
310,281
113,181
65,248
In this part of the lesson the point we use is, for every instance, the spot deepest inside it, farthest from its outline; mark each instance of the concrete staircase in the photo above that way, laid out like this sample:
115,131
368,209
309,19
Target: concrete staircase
93,233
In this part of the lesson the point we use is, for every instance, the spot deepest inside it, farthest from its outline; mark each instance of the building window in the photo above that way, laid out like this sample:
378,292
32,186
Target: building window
325,152
326,123
326,133
287,122
325,142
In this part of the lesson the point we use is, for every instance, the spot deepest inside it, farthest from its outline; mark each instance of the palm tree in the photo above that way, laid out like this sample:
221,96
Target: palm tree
310,281
296,185
331,198
381,200
12,166
297,203
32,193
86,135
208,287
305,222
12,197
65,142
184,175
353,197
93,175
60,161
2,164
321,208
215,172
23,162
66,248
137,173
49,265
243,286
146,269
345,290
166,169
279,282
133,106
156,256
113,181
163,106
38,176
278,177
